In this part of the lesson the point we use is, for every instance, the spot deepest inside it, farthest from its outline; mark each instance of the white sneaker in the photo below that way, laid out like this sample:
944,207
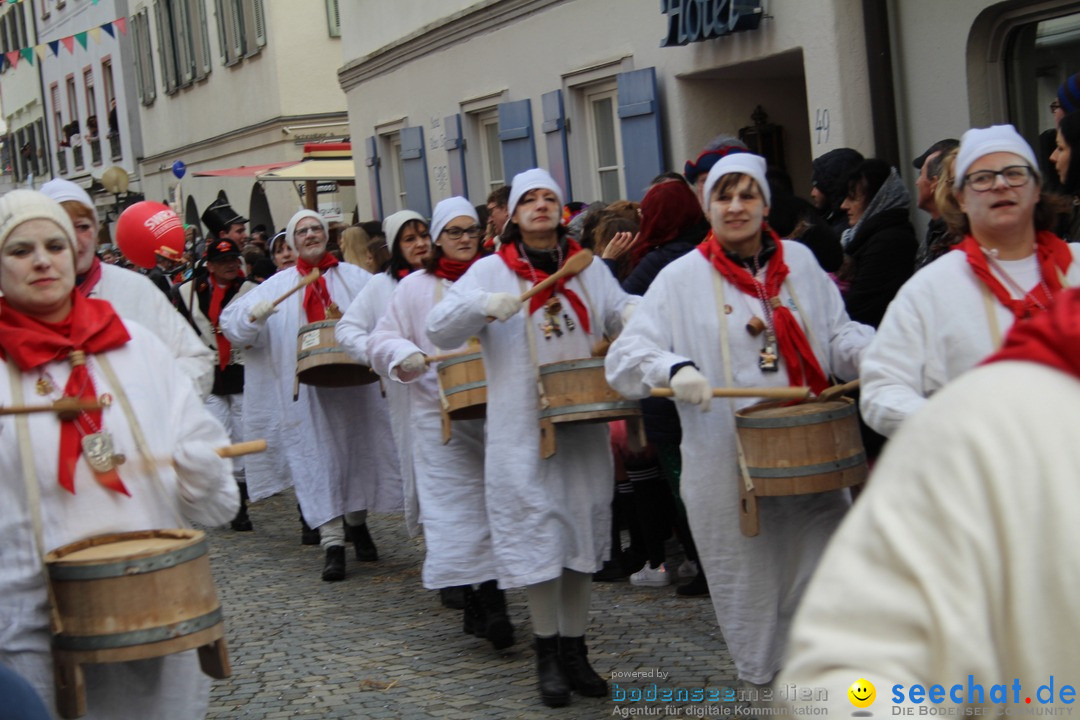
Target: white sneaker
688,569
652,577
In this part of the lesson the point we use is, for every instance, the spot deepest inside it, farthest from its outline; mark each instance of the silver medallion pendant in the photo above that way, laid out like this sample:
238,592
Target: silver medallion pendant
97,448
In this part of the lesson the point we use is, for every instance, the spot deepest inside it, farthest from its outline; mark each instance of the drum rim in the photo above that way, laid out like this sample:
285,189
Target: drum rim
76,570
458,360
185,537
749,421
576,364
315,326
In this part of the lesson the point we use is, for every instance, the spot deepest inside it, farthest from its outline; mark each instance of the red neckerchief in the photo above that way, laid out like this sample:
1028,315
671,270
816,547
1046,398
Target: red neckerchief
92,327
509,253
404,273
1053,255
316,295
453,269
217,300
1050,338
91,278
802,365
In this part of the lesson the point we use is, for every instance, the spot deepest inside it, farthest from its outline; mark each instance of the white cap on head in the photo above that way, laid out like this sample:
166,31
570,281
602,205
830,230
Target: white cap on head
745,163
977,142
18,206
290,229
533,179
392,225
62,190
447,210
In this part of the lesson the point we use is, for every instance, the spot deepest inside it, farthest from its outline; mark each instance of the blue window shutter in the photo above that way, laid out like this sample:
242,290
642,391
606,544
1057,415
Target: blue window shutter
639,123
516,137
371,160
455,153
554,128
417,192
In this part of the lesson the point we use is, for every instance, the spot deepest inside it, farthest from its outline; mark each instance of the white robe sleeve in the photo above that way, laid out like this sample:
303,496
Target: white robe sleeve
848,339
387,345
235,323
353,330
461,313
893,368
640,358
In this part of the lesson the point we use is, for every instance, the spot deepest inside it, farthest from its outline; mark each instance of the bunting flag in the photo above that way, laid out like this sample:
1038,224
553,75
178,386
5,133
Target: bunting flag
95,34
12,58
54,45
41,50
107,27
122,24
28,54
81,37
68,43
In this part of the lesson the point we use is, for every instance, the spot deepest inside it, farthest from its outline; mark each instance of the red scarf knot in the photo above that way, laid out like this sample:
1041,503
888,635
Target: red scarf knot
91,327
1051,338
317,294
509,253
91,278
451,270
794,347
1054,258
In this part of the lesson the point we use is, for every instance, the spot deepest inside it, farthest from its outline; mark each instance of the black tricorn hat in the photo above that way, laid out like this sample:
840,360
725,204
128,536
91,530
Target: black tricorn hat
220,216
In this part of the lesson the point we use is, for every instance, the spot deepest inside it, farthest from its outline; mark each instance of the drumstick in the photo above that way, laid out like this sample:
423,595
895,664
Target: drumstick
242,448
774,393
837,390
60,407
574,265
433,359
304,282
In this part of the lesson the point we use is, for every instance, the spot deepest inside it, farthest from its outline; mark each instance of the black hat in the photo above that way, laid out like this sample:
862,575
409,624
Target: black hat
220,217
222,249
940,146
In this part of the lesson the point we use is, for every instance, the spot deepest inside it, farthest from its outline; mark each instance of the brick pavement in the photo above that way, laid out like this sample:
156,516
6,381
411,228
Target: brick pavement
380,646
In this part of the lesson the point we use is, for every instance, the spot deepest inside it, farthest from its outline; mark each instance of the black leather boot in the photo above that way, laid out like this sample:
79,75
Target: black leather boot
554,687
453,597
497,627
334,569
474,622
365,546
574,659
242,523
308,535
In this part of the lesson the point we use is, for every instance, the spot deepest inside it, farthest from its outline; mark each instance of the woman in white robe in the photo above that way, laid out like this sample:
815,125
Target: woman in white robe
449,477
314,439
550,518
188,482
675,339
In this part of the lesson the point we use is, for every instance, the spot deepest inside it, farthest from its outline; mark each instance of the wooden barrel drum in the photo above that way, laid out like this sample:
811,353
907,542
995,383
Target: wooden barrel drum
576,391
132,596
321,362
462,389
812,447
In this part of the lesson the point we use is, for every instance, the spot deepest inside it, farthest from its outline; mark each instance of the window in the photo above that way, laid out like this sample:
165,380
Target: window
144,61
490,151
113,126
93,136
241,29
605,144
58,129
1039,56
333,18
399,171
72,132
182,42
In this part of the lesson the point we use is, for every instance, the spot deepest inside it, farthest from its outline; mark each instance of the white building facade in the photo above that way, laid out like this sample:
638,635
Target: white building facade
24,157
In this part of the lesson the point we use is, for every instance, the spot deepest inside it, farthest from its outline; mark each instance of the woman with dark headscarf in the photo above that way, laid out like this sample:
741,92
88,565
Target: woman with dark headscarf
1068,171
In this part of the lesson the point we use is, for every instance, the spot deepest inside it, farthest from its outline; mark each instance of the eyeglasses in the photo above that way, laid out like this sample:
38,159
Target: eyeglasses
1055,106
983,180
455,233
308,230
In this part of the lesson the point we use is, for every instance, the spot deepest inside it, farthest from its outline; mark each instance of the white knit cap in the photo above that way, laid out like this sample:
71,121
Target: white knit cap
745,163
62,190
449,209
18,206
531,180
300,215
977,142
392,225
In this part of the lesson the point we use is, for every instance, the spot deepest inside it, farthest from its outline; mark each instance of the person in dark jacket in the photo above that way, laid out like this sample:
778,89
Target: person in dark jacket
829,184
797,219
881,245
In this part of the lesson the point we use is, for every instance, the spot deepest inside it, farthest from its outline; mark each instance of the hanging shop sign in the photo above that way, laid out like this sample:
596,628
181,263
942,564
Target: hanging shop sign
697,20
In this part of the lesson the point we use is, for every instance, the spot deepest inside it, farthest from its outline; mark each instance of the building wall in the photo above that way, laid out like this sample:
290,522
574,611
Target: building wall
22,107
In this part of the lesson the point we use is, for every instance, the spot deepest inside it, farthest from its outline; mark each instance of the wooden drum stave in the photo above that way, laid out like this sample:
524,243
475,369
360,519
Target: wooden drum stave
321,362
462,389
576,391
131,596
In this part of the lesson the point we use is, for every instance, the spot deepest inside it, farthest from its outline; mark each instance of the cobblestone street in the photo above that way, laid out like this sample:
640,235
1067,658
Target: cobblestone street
380,646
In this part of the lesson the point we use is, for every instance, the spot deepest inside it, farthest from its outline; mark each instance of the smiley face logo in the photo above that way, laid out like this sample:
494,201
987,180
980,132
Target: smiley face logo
862,693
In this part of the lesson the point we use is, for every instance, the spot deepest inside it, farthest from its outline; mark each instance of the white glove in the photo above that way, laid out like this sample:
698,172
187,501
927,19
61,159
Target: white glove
262,310
691,386
412,365
502,306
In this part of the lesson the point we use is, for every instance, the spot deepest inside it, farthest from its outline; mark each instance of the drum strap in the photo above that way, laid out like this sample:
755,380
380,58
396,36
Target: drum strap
991,315
530,335
729,381
137,433
33,490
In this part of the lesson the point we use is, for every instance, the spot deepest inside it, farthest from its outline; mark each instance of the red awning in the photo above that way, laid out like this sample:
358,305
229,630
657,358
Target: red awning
244,170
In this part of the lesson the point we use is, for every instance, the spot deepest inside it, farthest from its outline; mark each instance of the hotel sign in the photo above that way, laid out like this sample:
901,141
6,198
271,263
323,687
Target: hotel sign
696,20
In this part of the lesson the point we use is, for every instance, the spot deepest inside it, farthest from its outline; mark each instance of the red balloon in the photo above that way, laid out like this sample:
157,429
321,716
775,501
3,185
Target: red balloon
147,229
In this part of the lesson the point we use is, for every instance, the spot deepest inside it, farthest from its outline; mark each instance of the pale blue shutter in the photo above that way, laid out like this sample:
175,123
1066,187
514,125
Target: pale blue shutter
417,191
554,128
371,160
639,123
516,137
455,154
